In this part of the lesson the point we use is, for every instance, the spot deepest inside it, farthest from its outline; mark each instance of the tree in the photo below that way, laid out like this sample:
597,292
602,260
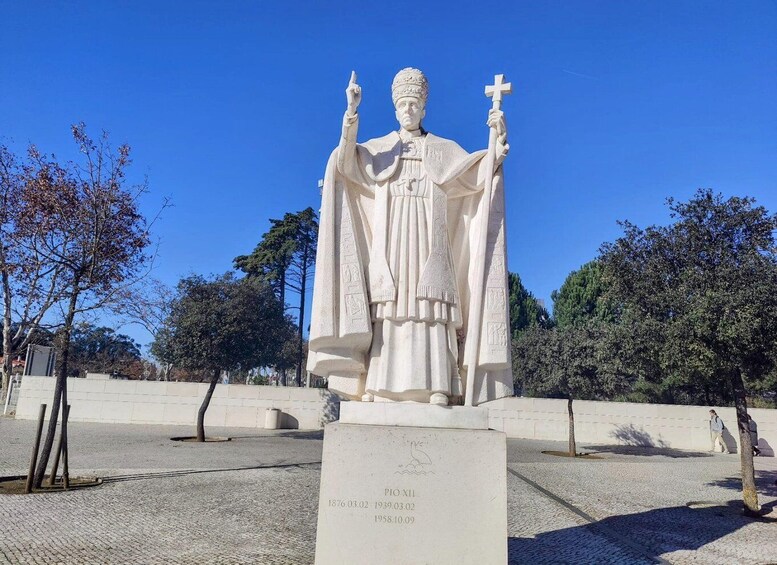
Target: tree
221,324
569,363
707,287
525,310
84,220
100,349
286,258
29,284
581,297
148,305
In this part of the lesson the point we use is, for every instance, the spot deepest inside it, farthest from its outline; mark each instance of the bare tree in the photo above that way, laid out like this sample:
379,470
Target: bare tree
148,305
29,284
84,219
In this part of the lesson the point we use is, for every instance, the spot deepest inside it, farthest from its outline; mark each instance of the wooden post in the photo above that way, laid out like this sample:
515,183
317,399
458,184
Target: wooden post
65,471
60,448
55,464
35,449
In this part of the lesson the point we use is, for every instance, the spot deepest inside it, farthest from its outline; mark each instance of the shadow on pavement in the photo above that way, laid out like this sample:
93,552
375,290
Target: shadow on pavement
312,434
185,472
307,434
646,451
765,482
634,538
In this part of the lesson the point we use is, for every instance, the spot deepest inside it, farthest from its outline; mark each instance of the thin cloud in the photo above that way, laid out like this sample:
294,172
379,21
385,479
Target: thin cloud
573,73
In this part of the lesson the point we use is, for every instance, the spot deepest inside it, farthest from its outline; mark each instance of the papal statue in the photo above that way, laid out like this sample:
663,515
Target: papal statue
410,299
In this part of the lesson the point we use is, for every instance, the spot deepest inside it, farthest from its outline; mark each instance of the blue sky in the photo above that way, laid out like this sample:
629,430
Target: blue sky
232,108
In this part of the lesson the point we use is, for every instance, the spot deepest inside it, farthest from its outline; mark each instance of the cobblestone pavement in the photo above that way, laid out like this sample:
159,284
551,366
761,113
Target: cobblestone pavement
254,500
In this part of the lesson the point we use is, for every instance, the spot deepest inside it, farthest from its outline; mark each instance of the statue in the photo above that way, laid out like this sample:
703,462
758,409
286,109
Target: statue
411,262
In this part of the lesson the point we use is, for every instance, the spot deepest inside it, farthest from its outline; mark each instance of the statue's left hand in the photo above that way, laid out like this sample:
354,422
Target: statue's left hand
496,120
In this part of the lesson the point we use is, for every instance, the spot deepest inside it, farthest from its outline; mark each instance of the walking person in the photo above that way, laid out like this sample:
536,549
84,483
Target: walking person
753,427
716,432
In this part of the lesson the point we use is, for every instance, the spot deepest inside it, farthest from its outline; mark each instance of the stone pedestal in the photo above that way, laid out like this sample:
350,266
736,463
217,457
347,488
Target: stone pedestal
413,414
399,494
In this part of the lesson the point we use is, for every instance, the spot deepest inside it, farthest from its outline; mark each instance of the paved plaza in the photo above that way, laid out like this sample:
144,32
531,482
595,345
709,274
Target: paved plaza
254,500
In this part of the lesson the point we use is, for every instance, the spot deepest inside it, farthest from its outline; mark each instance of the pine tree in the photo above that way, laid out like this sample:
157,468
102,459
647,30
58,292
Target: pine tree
286,259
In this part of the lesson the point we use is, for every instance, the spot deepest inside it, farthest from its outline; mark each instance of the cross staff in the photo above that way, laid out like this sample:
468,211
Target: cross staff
472,347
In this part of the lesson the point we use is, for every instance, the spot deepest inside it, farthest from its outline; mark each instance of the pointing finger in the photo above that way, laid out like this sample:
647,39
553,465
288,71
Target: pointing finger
353,77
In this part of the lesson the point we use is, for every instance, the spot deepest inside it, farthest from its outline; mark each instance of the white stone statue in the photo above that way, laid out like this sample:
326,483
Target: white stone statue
404,275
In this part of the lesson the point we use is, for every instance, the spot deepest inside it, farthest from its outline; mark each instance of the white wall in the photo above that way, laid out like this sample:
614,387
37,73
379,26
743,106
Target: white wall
624,423
602,423
155,402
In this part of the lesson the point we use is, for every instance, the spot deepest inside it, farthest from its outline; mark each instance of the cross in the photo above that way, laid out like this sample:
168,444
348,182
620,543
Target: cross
496,90
406,183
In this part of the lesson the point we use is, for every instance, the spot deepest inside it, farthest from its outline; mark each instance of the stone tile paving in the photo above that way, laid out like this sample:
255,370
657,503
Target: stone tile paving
643,494
543,532
254,500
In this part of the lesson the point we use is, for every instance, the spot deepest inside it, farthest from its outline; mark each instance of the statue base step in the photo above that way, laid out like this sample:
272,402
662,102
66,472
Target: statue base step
414,414
397,494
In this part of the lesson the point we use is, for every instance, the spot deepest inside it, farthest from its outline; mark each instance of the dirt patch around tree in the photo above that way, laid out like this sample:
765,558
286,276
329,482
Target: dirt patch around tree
585,456
17,484
193,439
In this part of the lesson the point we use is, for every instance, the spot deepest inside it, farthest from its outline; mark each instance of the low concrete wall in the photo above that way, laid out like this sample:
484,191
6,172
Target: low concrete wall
600,423
624,423
155,402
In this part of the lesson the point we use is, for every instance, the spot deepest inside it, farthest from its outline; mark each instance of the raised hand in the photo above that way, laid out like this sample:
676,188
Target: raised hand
353,94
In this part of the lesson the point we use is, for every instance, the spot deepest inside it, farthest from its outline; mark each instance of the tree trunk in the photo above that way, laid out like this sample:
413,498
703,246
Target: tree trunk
60,390
7,366
204,407
749,493
7,357
282,295
301,324
572,444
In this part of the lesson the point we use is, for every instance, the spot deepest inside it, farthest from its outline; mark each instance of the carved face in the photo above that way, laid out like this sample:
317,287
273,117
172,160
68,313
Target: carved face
410,111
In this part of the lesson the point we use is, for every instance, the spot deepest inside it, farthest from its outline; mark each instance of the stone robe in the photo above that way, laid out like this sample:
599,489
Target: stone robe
394,271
